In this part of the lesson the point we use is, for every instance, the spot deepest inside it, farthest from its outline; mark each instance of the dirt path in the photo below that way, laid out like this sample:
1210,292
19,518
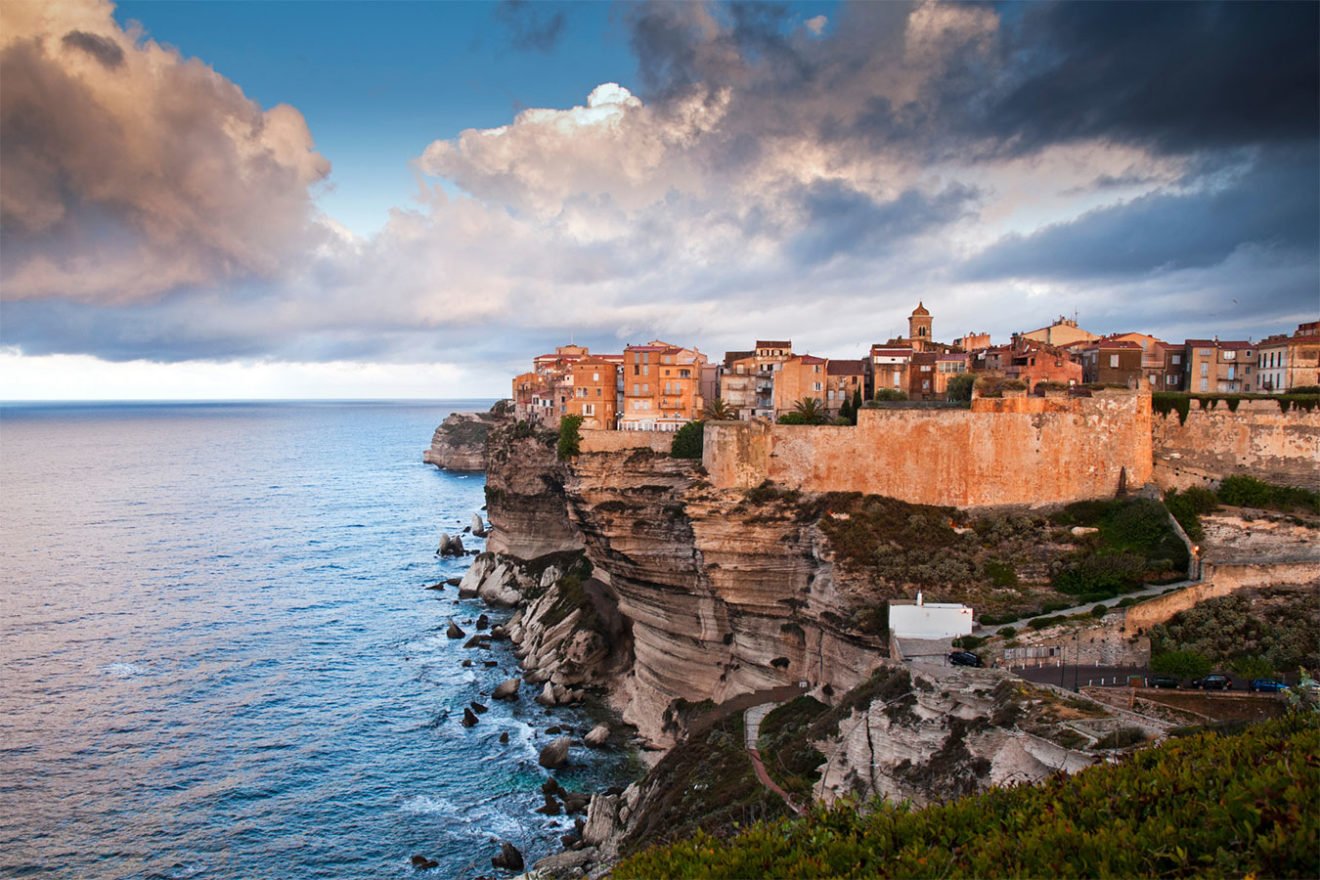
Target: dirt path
752,729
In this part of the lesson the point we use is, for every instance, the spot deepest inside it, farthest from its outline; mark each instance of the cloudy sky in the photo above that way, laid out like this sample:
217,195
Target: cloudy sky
366,200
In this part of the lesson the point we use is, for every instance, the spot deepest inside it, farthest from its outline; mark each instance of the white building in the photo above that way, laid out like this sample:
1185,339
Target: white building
918,619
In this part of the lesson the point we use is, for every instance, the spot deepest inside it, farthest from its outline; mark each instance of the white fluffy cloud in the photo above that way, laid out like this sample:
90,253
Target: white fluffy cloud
130,172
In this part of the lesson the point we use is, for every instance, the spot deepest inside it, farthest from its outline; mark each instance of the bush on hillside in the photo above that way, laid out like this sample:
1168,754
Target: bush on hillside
1244,491
689,440
570,437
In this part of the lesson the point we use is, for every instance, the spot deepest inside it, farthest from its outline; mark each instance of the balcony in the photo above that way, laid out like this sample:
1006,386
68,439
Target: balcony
672,403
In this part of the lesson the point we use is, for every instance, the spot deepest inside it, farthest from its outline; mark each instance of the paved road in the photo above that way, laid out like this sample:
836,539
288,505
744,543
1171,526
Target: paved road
1147,593
752,729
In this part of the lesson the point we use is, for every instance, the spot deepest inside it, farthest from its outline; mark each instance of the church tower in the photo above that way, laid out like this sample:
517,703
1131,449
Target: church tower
919,328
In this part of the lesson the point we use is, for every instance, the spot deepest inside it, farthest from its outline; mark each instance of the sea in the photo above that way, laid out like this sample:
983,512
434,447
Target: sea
219,657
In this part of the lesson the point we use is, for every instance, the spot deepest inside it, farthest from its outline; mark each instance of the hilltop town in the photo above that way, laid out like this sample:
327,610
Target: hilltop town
660,386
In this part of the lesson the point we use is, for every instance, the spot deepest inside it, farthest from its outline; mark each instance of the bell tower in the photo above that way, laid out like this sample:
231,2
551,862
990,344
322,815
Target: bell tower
919,326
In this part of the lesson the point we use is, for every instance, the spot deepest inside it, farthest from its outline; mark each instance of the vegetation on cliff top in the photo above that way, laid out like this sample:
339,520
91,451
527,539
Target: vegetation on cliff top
1255,635
1166,402
689,440
1007,565
1210,804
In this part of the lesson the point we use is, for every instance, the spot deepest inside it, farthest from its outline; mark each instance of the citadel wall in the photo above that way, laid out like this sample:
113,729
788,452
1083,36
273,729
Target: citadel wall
1258,440
1003,451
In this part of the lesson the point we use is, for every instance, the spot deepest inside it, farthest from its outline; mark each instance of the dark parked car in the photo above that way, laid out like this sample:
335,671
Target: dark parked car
1267,685
1214,682
1162,681
965,658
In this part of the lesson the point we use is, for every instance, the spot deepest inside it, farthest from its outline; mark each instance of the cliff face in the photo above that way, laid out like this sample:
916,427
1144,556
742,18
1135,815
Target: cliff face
717,597
723,598
459,443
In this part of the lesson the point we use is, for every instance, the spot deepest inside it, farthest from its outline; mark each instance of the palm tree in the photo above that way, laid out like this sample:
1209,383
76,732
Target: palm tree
719,411
811,410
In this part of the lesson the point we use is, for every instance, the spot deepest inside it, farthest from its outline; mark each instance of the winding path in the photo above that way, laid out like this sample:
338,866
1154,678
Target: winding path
752,730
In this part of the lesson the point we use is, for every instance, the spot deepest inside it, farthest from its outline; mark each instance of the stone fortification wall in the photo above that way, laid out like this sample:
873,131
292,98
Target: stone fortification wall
1023,450
622,441
1258,440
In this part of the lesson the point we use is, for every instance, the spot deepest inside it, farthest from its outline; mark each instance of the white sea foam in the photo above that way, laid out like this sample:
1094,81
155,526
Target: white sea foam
122,670
426,804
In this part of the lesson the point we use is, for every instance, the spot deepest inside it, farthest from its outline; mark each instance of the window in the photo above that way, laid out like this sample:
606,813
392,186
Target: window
1113,360
685,374
815,386
646,369
637,388
1205,371
1177,359
588,409
1206,352
1230,355
1205,385
595,377
637,371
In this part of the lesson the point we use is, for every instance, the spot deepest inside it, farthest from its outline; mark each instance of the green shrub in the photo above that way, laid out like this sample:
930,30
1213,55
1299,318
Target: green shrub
960,387
969,643
1244,491
1043,622
570,437
1212,804
1001,573
1180,664
1187,507
688,440
1099,611
890,394
1008,631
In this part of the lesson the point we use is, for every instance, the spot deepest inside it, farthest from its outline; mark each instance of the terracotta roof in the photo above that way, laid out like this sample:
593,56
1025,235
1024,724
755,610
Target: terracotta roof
811,359
1237,345
1200,343
774,343
920,310
889,352
846,368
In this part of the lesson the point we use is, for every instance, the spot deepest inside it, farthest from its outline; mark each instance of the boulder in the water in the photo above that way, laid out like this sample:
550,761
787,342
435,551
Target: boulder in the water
507,690
469,719
555,754
598,736
422,863
454,632
483,622
509,858
504,738
478,527
478,708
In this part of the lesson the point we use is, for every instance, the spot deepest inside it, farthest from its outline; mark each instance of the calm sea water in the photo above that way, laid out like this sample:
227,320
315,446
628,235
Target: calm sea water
219,660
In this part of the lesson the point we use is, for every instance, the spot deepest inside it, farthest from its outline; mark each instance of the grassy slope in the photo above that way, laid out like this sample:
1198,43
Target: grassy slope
1210,804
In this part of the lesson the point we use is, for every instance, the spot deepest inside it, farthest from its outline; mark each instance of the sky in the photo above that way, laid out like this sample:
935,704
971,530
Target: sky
241,200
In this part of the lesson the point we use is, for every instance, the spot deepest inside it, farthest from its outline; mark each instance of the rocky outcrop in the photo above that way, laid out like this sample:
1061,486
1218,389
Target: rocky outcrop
459,444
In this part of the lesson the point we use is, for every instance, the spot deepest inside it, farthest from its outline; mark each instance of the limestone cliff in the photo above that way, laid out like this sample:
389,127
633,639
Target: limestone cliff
459,443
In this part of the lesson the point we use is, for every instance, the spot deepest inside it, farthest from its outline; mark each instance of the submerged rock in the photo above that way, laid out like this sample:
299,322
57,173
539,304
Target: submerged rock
469,719
454,632
478,708
422,863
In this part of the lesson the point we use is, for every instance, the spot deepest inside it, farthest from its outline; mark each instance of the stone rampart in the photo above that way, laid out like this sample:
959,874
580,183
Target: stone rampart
1020,450
1258,440
623,441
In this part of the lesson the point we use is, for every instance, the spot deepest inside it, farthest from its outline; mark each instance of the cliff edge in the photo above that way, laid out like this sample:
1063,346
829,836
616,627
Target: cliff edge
459,443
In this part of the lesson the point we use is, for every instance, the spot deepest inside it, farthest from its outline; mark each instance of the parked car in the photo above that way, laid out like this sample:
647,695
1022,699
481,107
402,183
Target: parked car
1162,681
965,658
1214,682
1267,685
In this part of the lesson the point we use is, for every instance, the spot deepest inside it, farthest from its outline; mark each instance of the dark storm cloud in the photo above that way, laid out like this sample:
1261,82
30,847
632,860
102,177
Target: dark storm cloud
841,220
1273,206
530,27
1178,77
1173,77
103,49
